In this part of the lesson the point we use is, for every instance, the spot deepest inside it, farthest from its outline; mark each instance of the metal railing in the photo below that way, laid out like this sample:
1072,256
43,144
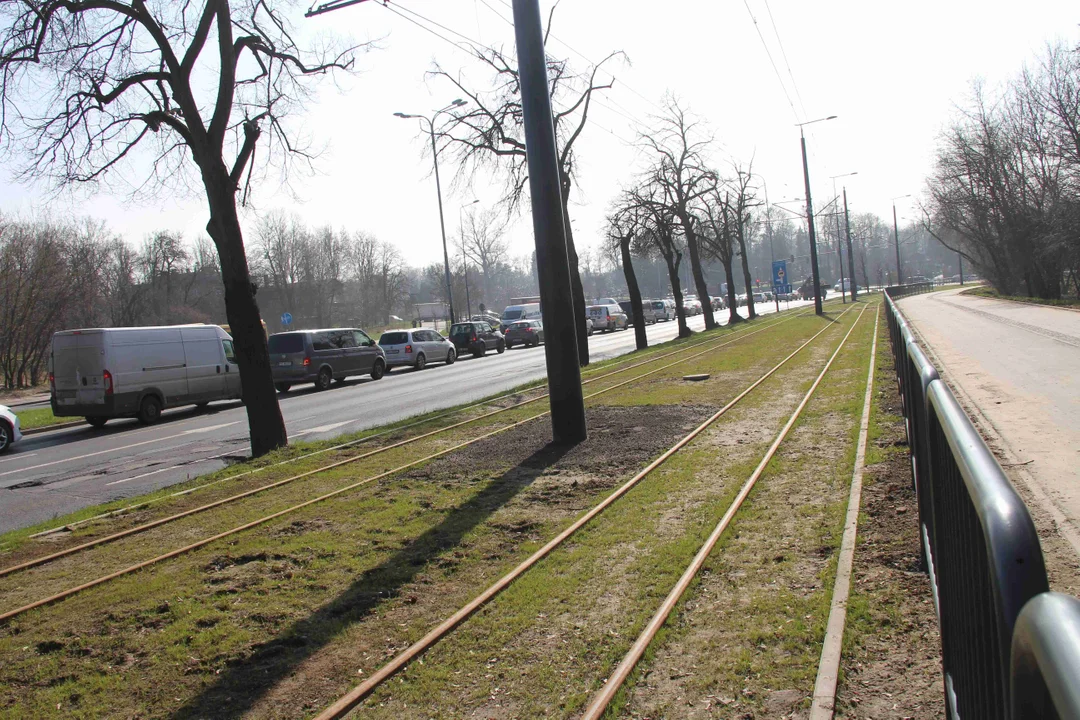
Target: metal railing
1045,659
980,550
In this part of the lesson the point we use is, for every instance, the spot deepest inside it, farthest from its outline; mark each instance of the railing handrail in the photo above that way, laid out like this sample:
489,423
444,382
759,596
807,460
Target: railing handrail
1032,662
1045,658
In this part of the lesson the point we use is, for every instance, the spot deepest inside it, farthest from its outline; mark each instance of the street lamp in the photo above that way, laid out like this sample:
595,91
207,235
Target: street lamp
810,214
839,243
896,239
464,259
438,190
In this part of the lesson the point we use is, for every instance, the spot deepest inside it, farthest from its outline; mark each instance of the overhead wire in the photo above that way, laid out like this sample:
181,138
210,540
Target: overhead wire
772,62
783,54
477,45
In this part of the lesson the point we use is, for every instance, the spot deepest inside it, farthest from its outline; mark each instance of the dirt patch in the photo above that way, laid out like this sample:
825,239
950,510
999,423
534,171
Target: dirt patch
891,665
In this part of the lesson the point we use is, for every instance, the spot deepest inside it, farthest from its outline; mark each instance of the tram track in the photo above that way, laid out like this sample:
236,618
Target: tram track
345,704
709,346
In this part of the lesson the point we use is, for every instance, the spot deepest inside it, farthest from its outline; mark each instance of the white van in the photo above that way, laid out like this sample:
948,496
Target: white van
103,373
663,310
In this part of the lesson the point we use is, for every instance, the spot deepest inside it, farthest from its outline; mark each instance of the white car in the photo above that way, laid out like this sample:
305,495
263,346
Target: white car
416,348
9,428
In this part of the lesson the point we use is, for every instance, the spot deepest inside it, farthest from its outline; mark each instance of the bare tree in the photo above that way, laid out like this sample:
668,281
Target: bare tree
742,200
681,175
660,234
482,242
131,82
720,242
625,225
488,134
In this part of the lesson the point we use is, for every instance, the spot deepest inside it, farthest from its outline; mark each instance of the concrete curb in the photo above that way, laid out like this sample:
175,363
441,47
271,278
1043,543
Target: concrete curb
57,426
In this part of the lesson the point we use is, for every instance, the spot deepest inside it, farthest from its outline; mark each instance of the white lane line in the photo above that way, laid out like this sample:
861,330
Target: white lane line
322,428
17,457
196,431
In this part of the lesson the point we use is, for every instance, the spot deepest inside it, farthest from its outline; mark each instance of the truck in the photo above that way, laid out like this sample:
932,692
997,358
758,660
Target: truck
104,373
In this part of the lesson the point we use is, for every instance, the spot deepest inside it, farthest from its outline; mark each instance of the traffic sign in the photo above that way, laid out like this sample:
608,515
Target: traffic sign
779,273
286,318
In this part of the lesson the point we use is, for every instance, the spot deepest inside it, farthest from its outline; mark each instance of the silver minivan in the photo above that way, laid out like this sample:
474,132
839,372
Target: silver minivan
607,317
323,356
416,348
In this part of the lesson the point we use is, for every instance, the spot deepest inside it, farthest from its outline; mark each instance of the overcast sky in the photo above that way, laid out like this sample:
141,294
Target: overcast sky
890,72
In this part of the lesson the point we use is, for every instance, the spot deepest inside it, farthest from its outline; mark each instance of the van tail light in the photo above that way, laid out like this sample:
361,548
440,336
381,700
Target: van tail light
474,337
107,378
52,382
307,361
408,349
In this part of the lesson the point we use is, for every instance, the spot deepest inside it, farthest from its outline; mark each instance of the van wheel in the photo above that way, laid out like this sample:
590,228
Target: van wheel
282,387
6,433
149,410
97,422
322,382
421,362
378,369
451,356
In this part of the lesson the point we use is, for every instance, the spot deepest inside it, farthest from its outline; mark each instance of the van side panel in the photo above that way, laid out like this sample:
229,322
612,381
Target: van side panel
148,360
205,361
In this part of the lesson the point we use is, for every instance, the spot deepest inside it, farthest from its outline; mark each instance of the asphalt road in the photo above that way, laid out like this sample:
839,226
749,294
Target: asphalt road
1017,365
54,473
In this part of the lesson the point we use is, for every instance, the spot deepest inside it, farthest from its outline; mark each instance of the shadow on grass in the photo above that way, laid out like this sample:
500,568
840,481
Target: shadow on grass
239,687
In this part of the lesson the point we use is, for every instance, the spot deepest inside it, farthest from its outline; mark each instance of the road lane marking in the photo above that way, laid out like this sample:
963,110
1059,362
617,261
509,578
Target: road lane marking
322,428
17,457
125,447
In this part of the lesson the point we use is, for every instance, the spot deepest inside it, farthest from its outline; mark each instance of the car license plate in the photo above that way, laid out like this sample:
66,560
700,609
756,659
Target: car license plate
286,363
391,352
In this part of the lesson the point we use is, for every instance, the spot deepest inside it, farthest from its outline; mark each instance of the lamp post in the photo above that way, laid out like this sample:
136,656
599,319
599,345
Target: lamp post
839,242
896,239
851,253
438,190
464,258
810,215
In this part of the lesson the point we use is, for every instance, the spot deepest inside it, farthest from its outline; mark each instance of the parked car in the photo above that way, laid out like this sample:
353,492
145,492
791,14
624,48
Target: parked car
322,356
477,338
845,286
9,429
518,312
525,332
607,317
759,298
691,307
740,299
647,314
103,373
718,303
663,310
416,348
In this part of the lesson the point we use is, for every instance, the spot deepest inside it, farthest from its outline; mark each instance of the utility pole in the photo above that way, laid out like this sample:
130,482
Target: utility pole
815,277
850,252
960,262
896,239
557,305
768,234
839,242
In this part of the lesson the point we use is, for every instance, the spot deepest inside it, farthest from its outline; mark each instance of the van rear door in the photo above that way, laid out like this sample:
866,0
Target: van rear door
205,360
78,368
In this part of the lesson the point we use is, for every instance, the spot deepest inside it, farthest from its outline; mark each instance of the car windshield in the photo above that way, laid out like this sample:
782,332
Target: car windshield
287,343
394,338
512,314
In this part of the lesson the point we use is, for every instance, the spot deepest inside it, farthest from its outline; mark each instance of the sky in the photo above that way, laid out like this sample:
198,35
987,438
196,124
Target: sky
749,70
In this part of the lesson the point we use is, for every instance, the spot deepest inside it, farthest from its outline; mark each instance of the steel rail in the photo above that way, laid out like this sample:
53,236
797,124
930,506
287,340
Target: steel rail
346,703
399,428
614,682
44,559
64,594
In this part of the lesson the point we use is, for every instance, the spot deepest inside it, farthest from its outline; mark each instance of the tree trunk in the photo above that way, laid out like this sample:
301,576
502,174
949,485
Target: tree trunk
676,293
635,293
699,275
732,301
265,425
576,289
750,314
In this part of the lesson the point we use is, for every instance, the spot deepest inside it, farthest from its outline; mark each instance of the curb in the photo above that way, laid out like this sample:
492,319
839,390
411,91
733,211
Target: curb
57,426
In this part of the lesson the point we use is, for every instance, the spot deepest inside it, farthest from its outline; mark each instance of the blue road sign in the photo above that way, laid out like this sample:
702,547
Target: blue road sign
286,318
779,273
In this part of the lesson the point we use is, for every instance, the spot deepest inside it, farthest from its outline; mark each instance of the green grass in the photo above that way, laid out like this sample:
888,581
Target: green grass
39,417
336,587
